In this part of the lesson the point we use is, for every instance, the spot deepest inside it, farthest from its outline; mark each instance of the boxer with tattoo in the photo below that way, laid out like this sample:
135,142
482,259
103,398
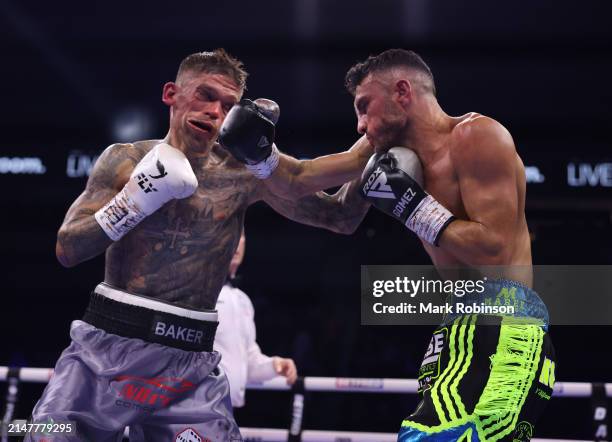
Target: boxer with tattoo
168,214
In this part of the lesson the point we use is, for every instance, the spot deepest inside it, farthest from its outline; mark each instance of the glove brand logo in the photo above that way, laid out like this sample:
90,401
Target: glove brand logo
144,183
161,169
263,142
377,186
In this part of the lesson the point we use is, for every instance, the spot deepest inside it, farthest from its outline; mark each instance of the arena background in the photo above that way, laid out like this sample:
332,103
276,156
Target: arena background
77,76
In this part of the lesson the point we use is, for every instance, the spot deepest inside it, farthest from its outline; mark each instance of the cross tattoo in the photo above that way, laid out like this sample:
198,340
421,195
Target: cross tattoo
176,232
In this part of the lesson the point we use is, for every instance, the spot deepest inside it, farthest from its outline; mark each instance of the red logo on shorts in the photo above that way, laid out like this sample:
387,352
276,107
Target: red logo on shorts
175,385
146,392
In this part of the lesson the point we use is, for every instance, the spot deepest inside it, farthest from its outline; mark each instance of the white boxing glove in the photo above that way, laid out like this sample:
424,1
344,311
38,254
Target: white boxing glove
162,175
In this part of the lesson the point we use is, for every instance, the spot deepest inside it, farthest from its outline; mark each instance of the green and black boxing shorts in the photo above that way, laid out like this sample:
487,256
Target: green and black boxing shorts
486,377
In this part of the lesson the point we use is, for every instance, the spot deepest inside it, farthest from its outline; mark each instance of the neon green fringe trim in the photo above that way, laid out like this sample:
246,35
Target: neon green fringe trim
513,368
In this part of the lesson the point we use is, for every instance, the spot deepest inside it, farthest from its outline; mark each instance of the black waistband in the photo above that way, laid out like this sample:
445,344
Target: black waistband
131,321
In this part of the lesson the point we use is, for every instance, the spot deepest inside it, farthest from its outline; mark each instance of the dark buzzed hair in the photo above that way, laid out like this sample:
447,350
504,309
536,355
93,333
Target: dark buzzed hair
215,62
389,59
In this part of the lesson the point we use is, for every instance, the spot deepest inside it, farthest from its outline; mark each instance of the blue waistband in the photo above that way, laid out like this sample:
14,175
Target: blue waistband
525,302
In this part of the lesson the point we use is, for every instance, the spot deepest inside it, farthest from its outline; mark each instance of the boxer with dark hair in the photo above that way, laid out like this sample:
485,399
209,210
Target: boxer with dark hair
467,205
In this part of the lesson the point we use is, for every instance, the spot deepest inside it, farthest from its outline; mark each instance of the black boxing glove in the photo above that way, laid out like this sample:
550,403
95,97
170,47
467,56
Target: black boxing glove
393,183
248,134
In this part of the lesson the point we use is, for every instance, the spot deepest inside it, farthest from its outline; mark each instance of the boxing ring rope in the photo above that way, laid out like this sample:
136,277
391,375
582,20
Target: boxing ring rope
321,384
330,384
390,385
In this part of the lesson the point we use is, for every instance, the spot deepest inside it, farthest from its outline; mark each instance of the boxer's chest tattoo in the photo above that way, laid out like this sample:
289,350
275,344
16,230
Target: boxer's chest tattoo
181,253
208,220
171,235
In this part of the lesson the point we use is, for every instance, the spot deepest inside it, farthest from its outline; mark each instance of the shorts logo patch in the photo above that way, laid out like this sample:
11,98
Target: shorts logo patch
430,367
190,435
175,385
507,297
547,376
149,394
523,432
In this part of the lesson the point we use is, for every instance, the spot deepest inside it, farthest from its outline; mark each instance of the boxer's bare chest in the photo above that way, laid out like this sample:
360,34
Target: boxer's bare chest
442,183
181,253
209,217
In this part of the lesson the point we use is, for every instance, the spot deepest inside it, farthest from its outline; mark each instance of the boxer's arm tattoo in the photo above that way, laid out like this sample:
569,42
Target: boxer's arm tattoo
341,212
297,178
80,237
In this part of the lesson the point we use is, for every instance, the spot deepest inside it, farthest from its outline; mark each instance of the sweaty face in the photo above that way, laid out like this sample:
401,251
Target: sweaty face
379,118
200,105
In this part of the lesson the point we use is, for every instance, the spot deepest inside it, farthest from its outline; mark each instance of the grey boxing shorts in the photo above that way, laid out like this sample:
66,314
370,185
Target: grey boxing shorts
138,362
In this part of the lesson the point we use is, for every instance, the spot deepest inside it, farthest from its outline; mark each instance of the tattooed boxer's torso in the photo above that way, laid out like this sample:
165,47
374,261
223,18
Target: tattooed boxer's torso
181,253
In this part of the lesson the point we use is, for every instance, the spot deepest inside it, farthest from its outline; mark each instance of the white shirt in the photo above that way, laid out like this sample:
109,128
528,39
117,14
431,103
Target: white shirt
241,357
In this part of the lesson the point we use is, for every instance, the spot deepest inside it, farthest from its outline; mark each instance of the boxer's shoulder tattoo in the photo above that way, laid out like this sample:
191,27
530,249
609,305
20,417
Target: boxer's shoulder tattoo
80,237
113,167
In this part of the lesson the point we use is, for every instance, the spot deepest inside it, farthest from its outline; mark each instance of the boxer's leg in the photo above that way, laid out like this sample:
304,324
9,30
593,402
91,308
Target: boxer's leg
538,397
449,385
513,374
484,388
204,413
78,392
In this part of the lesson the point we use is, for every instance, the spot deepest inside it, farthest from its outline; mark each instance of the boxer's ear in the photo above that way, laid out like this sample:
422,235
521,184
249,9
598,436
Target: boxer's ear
169,93
403,92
